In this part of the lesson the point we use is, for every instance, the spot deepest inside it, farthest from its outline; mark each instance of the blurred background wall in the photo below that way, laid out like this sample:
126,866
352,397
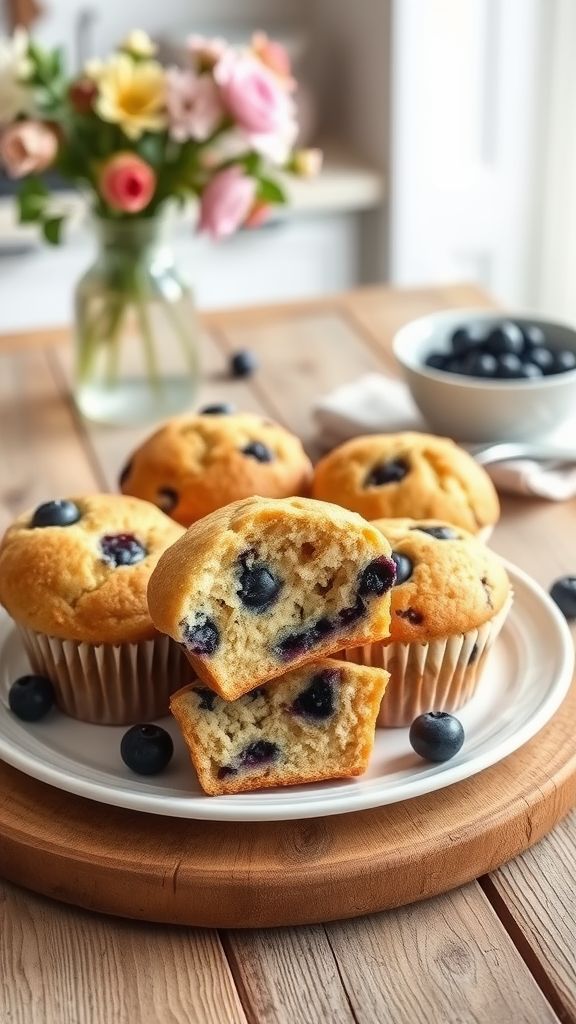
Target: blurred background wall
450,145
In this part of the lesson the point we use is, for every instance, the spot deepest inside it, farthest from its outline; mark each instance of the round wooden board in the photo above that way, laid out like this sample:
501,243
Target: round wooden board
252,875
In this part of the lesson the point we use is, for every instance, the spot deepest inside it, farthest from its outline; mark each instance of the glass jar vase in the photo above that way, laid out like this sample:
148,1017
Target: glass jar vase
136,328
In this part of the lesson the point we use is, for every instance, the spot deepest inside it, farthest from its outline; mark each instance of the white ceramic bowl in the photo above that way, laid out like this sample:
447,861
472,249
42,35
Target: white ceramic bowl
473,409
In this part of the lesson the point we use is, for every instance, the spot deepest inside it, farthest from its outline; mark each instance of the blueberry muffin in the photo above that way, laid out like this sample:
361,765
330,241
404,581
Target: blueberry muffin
196,464
390,475
311,724
449,602
267,584
73,576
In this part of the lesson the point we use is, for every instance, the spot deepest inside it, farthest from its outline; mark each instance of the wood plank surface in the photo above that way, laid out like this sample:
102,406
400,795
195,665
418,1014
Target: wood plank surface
417,966
64,966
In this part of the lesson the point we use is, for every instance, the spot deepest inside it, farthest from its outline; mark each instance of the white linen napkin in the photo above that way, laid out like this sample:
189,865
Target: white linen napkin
376,404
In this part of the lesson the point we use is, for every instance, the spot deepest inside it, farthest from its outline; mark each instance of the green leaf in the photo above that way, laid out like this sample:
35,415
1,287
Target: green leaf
32,198
52,229
253,163
270,191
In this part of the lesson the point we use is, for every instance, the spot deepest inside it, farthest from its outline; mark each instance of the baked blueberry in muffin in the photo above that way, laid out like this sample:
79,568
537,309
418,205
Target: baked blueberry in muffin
263,585
310,724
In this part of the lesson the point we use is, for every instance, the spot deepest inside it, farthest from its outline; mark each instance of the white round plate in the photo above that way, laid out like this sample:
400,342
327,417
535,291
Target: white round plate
525,681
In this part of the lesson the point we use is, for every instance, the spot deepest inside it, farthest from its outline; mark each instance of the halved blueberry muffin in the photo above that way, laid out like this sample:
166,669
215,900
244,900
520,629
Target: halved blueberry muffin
310,724
73,576
263,585
197,463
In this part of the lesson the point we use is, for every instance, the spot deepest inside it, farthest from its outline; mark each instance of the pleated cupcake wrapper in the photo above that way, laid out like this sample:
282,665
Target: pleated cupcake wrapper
109,684
438,676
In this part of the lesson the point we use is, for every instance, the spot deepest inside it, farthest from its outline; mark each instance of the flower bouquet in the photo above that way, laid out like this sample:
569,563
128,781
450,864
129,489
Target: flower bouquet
135,137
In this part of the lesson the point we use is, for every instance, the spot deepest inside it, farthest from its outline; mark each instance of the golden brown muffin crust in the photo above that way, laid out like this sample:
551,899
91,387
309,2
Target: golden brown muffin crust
456,584
55,580
200,458
443,481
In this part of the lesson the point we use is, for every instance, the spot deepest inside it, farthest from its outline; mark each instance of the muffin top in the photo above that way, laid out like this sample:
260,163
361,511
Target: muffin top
196,464
447,581
385,475
79,568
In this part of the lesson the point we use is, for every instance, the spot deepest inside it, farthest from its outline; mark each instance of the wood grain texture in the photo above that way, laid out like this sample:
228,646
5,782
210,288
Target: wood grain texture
467,973
64,966
287,975
258,874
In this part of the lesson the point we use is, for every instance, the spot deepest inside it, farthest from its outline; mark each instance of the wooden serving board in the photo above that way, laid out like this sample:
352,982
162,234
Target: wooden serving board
227,875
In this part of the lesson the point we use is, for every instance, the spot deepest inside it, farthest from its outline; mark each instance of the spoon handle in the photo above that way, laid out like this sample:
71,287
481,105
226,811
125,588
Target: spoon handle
486,455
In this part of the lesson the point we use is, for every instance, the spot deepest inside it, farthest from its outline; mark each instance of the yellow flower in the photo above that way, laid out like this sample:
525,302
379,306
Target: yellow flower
131,94
138,43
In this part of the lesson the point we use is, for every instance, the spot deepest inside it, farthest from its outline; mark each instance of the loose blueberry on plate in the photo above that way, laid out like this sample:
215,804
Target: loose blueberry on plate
243,363
563,592
436,736
533,335
31,697
122,549
257,450
505,338
56,513
218,409
146,749
404,567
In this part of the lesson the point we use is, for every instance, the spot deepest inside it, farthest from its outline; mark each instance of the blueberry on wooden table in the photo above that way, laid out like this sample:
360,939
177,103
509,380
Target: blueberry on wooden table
243,363
563,592
31,697
436,736
146,749
56,513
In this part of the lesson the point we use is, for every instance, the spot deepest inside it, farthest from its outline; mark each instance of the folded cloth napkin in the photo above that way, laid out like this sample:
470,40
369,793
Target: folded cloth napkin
376,404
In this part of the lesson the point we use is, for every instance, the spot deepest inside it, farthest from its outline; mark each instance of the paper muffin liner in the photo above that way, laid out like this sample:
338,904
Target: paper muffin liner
109,684
438,676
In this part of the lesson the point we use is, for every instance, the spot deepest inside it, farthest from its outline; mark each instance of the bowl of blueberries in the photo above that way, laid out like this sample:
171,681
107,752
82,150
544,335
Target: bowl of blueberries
483,376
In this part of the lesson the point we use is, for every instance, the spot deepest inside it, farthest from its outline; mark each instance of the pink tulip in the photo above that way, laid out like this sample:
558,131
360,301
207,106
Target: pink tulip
194,106
258,215
226,202
27,147
127,183
252,94
275,57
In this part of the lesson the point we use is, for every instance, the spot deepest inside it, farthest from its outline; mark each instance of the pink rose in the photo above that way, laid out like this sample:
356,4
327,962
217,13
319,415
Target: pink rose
226,202
27,147
194,106
252,94
127,183
275,57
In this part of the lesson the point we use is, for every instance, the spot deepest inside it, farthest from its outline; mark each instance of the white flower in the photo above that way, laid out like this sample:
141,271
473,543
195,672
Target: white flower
15,67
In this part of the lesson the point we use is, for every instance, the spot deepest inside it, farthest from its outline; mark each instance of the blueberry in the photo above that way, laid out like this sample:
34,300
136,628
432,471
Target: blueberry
543,358
564,361
466,339
207,698
31,697
509,366
56,513
533,335
257,450
530,371
167,499
202,636
124,474
377,577
218,409
387,473
346,616
146,749
404,567
122,549
505,338
438,532
259,587
317,701
243,363
563,592
436,361
292,645
436,736
483,364
258,753
459,366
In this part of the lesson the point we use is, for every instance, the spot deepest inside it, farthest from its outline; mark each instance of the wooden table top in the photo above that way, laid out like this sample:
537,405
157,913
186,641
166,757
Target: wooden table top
499,950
